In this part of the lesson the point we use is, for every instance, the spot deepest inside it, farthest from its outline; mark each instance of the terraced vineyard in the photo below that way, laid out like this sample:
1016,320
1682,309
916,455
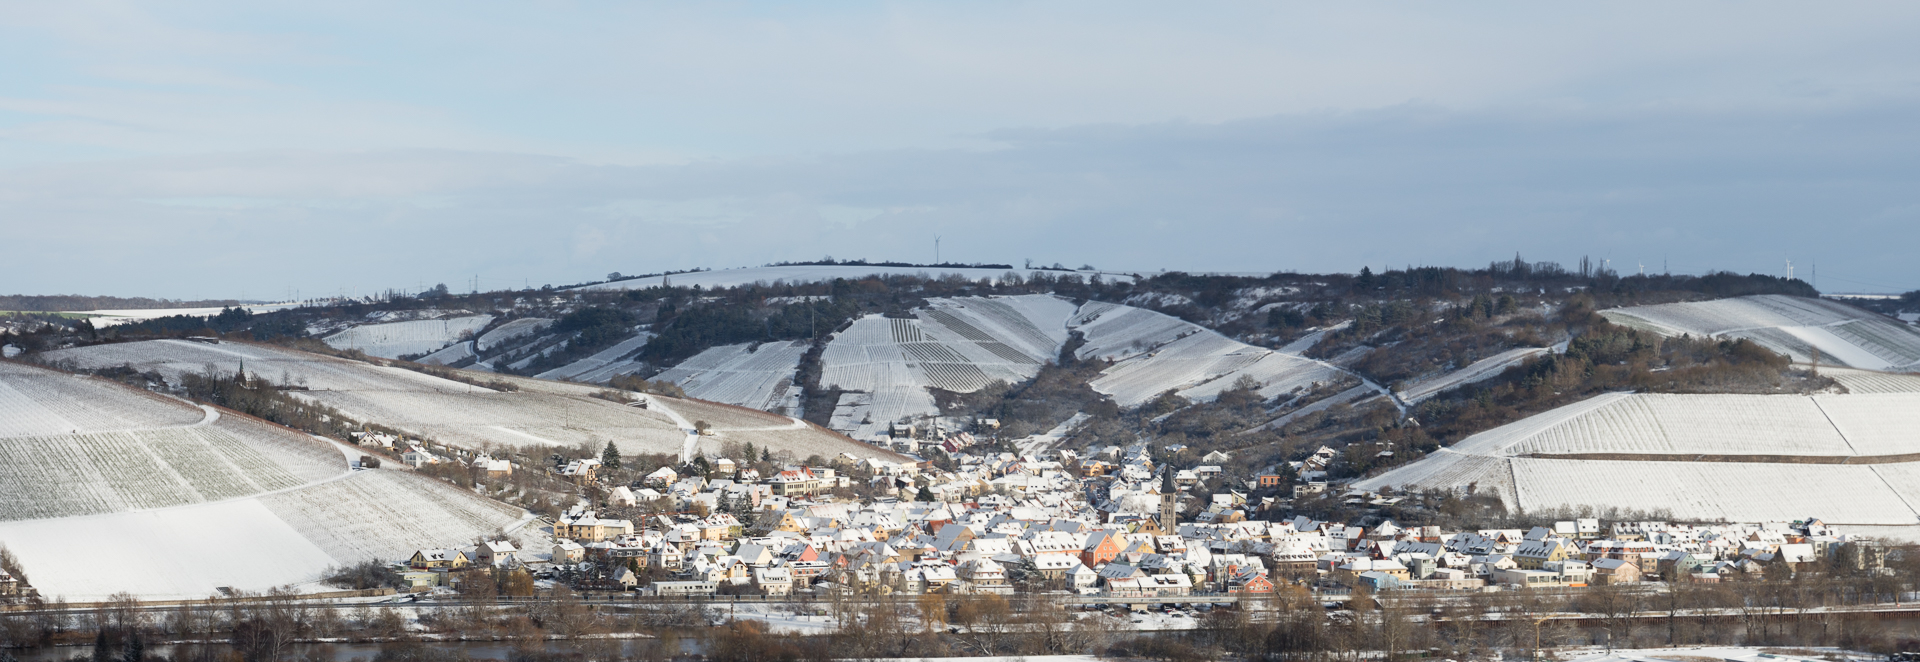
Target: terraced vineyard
760,378
1847,458
396,339
1793,326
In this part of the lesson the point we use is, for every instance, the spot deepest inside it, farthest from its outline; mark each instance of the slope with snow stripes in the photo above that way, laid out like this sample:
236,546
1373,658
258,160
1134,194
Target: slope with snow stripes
36,401
1793,326
741,374
396,339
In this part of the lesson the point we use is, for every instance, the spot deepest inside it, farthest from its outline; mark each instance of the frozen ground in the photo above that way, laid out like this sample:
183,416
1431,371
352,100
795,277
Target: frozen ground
1844,458
1794,326
814,274
396,339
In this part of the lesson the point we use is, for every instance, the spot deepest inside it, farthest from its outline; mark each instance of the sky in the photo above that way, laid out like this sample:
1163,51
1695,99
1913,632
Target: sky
195,150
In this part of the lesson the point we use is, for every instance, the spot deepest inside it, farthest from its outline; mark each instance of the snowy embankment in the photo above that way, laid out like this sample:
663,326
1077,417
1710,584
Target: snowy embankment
1849,459
397,339
823,273
1794,326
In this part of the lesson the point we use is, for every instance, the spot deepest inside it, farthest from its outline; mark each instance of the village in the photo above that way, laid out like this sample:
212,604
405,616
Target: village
1107,525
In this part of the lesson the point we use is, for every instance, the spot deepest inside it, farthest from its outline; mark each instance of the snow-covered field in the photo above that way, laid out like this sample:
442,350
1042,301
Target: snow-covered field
106,318
820,273
396,339
541,413
757,377
1790,448
959,344
603,365
1154,352
109,488
1477,371
511,330
963,344
81,446
1793,326
250,544
36,401
1866,381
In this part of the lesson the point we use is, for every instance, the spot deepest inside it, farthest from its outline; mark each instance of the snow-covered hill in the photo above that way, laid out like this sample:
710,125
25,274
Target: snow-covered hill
1794,326
1850,458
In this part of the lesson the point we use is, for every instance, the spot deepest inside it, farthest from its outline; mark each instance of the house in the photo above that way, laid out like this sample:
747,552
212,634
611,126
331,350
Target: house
439,559
567,551
1269,480
9,585
773,580
661,477
1101,547
725,466
1535,554
581,472
1615,571
496,553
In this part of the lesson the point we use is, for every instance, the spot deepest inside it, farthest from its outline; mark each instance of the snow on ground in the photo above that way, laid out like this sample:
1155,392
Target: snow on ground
604,364
1728,653
540,413
511,330
250,544
759,377
1793,326
79,446
397,339
452,354
37,401
1788,446
1865,381
1477,371
960,344
106,318
821,273
1154,352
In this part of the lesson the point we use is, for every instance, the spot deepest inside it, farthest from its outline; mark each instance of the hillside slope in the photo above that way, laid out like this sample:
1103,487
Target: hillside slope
149,495
1845,458
1794,326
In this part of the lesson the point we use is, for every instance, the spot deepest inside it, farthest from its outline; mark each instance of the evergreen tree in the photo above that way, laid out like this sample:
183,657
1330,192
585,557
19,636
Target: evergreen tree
136,651
610,458
766,454
749,453
1365,281
924,495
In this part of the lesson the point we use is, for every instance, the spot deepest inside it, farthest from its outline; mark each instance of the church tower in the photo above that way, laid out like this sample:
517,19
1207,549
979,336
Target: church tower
1169,503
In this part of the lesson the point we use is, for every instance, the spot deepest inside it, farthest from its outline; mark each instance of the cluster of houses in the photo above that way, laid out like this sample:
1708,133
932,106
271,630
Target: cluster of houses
1579,553
1117,524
